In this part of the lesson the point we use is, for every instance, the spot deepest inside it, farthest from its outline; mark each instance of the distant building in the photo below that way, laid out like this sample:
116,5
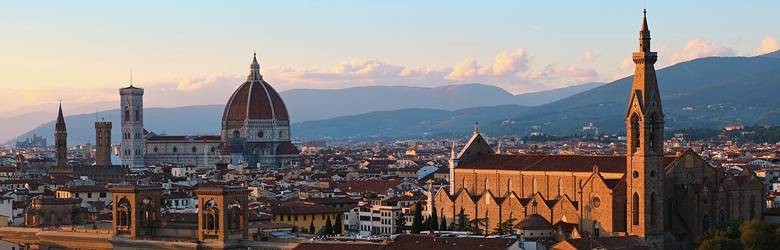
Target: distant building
255,130
35,141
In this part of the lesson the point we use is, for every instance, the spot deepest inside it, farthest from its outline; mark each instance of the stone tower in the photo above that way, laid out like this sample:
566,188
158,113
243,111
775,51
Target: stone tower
61,141
222,215
103,143
645,151
135,210
132,106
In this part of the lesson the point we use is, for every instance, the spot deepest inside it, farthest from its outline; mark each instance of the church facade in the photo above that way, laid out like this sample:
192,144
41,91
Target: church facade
666,200
255,130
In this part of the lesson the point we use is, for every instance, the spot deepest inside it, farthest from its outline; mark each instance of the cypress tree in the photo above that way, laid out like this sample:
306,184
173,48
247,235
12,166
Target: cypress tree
337,227
433,221
400,222
443,224
328,227
417,223
463,221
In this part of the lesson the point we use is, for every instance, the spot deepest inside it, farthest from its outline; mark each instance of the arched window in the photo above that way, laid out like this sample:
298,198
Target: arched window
136,116
635,136
236,134
752,206
175,149
235,216
194,149
652,209
124,215
723,217
127,115
211,214
635,210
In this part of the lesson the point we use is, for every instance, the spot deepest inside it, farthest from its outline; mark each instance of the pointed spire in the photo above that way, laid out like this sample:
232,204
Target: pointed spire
452,150
60,125
644,34
254,69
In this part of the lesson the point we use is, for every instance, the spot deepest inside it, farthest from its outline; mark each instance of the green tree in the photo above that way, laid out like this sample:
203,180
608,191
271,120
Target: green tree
417,222
311,227
478,225
443,224
400,222
506,227
463,221
337,227
719,243
756,235
328,230
433,221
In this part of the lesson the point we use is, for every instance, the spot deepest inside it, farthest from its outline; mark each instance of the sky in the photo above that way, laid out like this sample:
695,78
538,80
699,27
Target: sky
198,52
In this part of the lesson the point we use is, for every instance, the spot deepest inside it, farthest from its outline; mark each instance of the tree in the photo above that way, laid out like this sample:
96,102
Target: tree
506,227
719,243
476,225
328,230
443,224
311,227
417,222
433,221
463,221
337,227
756,235
400,222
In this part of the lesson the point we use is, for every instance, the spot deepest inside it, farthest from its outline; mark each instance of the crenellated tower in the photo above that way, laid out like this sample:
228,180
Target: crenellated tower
645,151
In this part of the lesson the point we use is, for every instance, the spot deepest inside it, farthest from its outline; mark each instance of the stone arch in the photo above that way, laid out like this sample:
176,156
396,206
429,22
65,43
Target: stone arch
210,215
635,209
635,136
124,214
235,215
652,209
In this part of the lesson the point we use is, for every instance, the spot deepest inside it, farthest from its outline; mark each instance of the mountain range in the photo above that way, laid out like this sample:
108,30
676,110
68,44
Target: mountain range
705,92
303,105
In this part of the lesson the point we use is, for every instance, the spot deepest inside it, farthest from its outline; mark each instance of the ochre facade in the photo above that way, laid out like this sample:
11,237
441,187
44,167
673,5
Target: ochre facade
666,200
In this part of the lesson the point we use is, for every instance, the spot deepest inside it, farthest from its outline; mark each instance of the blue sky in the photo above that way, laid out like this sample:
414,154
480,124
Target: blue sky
198,51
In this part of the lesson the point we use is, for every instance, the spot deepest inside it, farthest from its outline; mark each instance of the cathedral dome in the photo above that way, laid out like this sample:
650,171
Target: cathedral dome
255,99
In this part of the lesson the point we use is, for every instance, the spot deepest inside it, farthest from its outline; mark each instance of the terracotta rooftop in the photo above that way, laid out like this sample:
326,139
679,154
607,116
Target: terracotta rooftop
541,162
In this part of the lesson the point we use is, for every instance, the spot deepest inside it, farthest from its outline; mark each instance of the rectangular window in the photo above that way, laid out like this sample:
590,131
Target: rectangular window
103,195
89,195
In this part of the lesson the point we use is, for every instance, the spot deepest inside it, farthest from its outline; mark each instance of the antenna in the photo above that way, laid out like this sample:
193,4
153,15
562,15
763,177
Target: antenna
131,77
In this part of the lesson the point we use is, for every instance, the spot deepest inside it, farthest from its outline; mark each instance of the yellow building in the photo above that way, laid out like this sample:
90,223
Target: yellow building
304,215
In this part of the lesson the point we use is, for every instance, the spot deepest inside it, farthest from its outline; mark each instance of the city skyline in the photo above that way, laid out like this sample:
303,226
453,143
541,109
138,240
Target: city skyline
516,46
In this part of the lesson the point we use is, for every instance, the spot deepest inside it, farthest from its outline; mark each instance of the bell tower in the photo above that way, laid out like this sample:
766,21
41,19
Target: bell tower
644,149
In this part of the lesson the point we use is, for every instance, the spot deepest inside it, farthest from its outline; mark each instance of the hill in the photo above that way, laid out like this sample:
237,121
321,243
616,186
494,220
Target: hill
303,105
307,104
707,92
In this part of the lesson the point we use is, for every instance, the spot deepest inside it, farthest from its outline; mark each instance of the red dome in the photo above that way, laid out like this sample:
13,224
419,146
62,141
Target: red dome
255,100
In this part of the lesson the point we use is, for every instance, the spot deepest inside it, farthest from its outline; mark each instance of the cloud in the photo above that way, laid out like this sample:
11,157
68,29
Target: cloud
589,57
463,70
698,48
768,45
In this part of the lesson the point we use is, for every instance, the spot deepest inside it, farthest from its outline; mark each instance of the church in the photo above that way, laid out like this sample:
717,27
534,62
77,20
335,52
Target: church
667,200
255,130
